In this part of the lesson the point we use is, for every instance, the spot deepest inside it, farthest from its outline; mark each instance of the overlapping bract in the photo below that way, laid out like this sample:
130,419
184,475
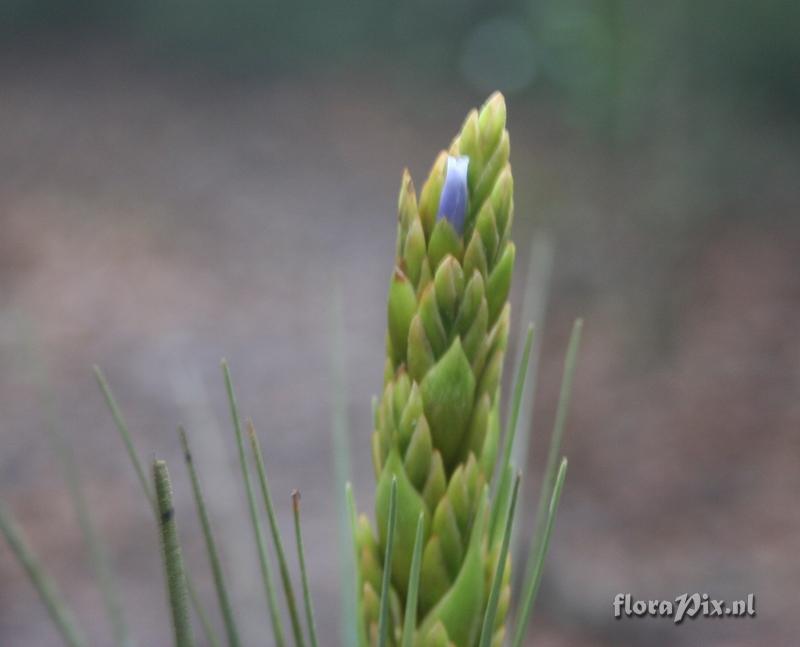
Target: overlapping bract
437,423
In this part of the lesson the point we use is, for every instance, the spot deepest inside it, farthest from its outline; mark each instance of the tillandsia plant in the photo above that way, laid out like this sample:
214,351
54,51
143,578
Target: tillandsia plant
437,425
437,571
443,577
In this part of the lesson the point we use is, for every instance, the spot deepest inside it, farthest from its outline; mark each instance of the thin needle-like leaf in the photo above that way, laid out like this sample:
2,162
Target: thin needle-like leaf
487,631
341,467
355,620
534,308
301,557
266,571
124,433
531,587
45,586
410,618
288,590
173,561
519,391
554,451
506,473
95,547
211,545
383,618
98,554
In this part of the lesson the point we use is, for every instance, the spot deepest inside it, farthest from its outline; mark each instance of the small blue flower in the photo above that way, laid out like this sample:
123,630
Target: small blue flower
453,202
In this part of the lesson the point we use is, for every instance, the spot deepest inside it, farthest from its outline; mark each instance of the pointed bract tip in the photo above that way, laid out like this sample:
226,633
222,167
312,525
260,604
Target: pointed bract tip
495,105
496,98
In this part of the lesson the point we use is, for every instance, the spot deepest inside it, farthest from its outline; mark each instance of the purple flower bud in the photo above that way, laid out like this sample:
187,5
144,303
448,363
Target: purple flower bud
453,202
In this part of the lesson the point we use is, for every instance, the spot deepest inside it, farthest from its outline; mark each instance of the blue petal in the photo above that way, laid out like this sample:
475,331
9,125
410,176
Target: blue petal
453,202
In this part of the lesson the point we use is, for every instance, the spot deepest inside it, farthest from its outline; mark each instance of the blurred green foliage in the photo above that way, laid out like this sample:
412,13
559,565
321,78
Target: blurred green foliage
607,59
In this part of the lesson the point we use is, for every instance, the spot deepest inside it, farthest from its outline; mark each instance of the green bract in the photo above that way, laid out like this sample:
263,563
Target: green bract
437,424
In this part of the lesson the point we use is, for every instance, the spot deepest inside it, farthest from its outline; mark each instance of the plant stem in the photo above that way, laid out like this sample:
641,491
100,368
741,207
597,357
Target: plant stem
173,561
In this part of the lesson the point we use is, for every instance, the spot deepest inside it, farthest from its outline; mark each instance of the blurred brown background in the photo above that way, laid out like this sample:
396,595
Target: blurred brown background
183,182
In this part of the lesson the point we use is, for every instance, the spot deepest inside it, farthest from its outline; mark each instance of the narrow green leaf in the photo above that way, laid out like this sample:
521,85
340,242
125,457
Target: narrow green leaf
519,390
124,433
97,550
537,557
487,631
410,618
211,545
341,470
301,557
173,561
357,619
288,590
383,618
208,629
504,487
554,451
45,586
534,308
266,571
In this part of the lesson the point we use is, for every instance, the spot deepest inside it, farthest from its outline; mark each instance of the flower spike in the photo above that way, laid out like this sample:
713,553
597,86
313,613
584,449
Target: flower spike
437,423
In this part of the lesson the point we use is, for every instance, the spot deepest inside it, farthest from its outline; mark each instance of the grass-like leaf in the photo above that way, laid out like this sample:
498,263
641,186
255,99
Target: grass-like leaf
355,620
537,557
549,478
125,434
96,549
519,390
288,590
410,617
534,308
506,472
348,603
554,451
45,586
173,561
211,545
301,558
266,571
383,617
487,630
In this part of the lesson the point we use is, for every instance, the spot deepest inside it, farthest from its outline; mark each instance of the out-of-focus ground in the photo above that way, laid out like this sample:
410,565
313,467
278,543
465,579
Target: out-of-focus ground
154,220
